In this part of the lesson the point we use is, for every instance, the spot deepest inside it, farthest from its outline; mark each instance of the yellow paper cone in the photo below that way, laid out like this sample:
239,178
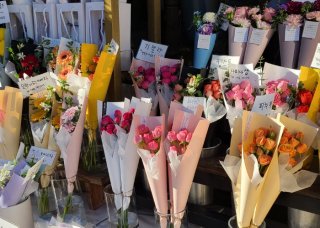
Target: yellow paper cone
2,41
88,51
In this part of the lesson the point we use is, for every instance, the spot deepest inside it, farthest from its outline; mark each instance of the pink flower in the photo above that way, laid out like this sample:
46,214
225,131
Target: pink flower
263,25
230,95
150,71
229,10
117,113
153,145
242,22
131,110
69,114
156,133
277,100
147,138
125,124
246,95
257,17
238,94
189,136
145,84
151,78
110,128
241,12
182,150
283,85
166,81
181,136
268,14
142,129
173,78
2,116
140,69
253,11
172,136
311,15
117,120
244,84
166,74
106,120
250,100
127,116
164,69
294,20
173,148
69,127
137,139
178,87
173,70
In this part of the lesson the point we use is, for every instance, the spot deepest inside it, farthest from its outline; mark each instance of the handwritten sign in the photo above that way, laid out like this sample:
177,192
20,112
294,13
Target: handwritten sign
241,35
310,29
37,154
291,33
263,104
36,84
6,224
203,41
316,58
192,103
148,50
257,36
222,62
4,13
239,73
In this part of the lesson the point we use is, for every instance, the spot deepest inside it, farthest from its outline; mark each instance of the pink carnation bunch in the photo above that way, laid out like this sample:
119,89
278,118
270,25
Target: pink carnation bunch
144,77
169,74
283,92
179,141
70,118
313,16
241,95
148,139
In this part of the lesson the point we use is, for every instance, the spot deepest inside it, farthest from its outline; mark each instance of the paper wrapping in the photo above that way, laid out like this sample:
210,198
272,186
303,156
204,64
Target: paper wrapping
11,102
183,176
88,51
253,51
307,49
289,50
103,74
235,49
2,41
158,183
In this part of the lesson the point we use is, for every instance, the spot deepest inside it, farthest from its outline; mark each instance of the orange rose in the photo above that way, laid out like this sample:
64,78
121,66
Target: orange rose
252,148
264,159
302,148
270,144
292,162
292,153
261,140
294,142
261,132
299,136
284,140
286,133
259,151
285,148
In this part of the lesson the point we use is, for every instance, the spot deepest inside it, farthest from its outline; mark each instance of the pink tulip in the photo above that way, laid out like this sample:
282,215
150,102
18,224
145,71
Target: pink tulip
181,136
230,95
110,128
189,136
125,124
238,94
153,145
156,133
106,120
172,136
131,110
244,84
127,116
117,113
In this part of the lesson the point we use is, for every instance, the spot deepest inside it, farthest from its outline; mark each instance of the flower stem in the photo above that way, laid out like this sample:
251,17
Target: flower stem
67,205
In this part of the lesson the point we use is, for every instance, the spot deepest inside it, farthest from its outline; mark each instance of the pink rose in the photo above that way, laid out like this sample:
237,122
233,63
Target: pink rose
127,116
181,136
137,139
151,78
106,120
156,133
257,17
125,124
230,95
153,145
110,128
268,14
164,69
147,138
253,11
173,78
142,129
294,20
173,70
145,84
189,136
178,87
166,81
150,71
173,148
166,74
172,136
117,113
140,69
283,85
277,100
241,12
238,94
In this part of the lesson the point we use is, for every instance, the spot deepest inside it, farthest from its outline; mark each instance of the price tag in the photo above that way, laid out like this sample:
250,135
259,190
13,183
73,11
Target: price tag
148,50
263,104
4,13
239,73
36,84
37,154
316,58
292,33
241,35
192,103
6,224
203,41
257,36
310,29
222,62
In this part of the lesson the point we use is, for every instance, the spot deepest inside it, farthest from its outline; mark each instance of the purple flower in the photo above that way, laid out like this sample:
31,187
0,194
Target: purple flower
206,29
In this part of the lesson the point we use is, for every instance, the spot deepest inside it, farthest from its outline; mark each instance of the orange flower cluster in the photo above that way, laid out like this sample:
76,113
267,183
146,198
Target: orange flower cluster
262,147
293,145
65,60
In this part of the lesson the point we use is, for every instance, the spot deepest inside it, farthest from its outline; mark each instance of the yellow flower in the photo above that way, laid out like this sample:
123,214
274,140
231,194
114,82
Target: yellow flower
56,122
37,102
38,115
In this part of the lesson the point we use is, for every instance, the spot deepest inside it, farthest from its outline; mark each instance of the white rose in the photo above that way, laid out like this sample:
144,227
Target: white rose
209,17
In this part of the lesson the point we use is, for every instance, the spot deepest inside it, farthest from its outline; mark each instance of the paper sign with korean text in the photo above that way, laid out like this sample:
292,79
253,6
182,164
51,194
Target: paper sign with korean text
239,73
263,104
222,62
148,50
192,103
37,154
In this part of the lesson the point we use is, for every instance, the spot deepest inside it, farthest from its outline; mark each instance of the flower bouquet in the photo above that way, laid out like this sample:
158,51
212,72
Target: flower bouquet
120,152
289,18
89,59
205,37
168,73
310,35
190,87
144,81
260,33
50,52
11,102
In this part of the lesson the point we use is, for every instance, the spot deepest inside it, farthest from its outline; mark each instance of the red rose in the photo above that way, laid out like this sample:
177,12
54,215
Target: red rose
305,97
294,7
215,85
303,108
127,116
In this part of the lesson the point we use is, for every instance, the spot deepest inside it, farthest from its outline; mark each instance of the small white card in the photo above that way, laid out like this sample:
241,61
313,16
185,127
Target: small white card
4,13
6,224
36,154
257,36
222,62
292,33
241,35
203,41
36,84
192,103
263,104
148,50
316,58
310,29
239,73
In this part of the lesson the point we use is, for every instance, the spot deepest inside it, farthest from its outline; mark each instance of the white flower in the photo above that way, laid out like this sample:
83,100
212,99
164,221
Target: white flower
45,106
5,174
209,17
21,56
20,46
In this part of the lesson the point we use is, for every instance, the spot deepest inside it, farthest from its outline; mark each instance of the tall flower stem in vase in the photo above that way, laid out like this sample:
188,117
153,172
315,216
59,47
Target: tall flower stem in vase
43,203
89,156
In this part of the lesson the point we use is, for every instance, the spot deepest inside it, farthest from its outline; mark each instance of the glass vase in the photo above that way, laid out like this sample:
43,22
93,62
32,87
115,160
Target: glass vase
171,220
45,203
232,223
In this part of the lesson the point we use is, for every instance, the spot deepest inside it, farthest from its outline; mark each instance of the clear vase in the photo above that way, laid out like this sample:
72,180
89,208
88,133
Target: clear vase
232,223
89,153
121,209
69,206
45,203
171,220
